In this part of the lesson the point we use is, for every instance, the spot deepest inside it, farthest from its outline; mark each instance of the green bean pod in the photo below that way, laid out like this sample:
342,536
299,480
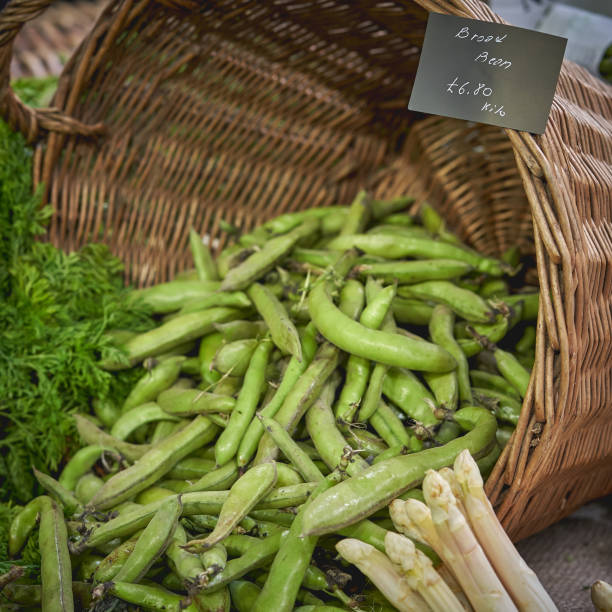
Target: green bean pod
445,387
55,568
408,272
294,370
352,298
106,410
209,345
153,383
314,257
441,332
303,394
486,380
512,370
282,330
94,436
372,489
255,266
493,287
154,464
219,601
391,429
68,500
214,558
234,357
241,329
253,486
527,341
405,390
381,346
244,594
130,421
219,479
149,597
188,567
434,222
258,554
152,542
493,332
287,475
80,463
171,334
373,393
287,445
290,563
166,297
411,311
397,247
327,438
191,467
402,219
202,257
22,525
414,231
191,402
113,562
228,442
463,302
530,304
358,215
87,486
506,407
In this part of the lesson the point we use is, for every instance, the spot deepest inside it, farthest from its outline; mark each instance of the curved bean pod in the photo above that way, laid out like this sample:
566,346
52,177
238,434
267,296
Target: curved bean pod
415,271
152,542
381,346
153,382
228,442
282,330
166,297
255,266
22,525
66,498
245,493
80,463
154,464
374,488
130,421
190,402
397,247
171,334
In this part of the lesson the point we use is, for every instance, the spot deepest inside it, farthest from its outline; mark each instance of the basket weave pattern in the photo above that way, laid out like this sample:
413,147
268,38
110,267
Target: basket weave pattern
177,113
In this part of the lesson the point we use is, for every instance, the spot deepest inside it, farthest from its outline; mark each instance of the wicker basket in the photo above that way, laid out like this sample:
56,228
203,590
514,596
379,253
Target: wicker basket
177,113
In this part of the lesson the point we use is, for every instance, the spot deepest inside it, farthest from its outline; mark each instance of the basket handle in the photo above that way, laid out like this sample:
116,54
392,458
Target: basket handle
30,122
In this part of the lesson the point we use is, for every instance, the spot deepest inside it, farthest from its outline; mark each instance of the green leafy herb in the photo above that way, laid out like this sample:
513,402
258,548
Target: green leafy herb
55,308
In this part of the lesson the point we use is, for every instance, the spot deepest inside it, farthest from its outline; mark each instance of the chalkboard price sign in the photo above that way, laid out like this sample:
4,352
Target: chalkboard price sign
487,72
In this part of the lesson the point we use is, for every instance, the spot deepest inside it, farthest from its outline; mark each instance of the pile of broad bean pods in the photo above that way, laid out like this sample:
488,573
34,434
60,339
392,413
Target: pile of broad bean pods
296,385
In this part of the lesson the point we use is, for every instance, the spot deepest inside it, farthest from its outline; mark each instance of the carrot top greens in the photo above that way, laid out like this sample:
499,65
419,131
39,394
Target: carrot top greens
54,310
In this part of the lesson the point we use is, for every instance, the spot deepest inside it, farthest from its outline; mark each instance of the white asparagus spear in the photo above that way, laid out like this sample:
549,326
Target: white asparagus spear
522,583
383,573
462,552
413,518
454,586
448,475
420,573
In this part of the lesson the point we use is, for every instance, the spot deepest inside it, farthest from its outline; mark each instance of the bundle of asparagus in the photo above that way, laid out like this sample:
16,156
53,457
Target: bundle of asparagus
481,569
